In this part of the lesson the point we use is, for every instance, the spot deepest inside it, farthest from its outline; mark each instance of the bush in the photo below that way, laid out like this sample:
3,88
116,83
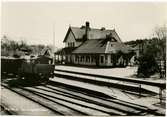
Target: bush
147,66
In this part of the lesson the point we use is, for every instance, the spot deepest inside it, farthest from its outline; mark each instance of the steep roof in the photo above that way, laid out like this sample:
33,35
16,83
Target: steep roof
99,41
101,46
91,46
92,33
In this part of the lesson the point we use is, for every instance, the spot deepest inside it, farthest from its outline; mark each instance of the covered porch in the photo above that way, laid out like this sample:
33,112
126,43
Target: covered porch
64,56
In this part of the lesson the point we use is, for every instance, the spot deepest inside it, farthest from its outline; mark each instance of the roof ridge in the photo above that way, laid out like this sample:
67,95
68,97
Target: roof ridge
92,28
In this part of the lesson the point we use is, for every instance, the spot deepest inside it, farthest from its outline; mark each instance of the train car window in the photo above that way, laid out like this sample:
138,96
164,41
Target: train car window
49,61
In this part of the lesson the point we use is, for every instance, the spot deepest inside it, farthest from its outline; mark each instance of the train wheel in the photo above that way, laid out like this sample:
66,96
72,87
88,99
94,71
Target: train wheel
45,80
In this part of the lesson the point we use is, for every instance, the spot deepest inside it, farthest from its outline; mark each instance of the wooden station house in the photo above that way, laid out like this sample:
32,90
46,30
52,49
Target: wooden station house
93,47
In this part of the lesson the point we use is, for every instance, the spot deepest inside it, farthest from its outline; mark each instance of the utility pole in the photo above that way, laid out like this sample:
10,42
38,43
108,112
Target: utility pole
53,43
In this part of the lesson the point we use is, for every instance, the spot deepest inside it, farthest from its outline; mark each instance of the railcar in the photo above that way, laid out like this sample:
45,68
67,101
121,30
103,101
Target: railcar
10,65
40,69
36,69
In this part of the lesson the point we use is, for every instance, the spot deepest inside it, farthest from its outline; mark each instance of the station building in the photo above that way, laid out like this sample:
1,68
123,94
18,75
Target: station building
93,47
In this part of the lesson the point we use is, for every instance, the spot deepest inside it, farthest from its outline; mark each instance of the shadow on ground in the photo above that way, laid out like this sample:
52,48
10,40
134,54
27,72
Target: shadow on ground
15,82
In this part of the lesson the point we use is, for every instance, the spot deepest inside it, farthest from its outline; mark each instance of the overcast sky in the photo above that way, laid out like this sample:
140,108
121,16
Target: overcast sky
34,21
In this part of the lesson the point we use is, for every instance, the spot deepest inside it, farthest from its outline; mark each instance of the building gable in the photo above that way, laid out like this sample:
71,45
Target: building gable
70,39
70,35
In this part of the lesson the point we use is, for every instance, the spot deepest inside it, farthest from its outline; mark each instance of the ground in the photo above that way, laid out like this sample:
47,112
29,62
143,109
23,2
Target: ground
151,101
127,72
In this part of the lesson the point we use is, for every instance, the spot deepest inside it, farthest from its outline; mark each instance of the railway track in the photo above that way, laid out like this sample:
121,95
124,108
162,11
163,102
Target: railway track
64,96
64,101
104,81
130,89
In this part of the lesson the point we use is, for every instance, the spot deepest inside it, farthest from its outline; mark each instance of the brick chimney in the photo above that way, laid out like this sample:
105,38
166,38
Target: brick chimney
87,30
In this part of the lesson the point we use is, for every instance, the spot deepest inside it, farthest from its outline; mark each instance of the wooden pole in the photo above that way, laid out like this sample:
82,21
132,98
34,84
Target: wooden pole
53,43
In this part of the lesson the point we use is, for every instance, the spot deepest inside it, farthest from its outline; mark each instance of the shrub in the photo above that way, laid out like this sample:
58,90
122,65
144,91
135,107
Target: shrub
147,66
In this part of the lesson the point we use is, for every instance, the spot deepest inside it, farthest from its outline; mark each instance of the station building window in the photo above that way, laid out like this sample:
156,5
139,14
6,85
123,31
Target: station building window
87,58
111,58
92,59
102,59
106,58
82,59
71,44
76,58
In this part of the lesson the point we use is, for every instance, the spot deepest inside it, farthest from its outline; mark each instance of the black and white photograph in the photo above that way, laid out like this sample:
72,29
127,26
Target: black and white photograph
83,58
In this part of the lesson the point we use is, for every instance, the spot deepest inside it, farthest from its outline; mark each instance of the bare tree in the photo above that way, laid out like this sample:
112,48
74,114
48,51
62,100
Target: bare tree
161,34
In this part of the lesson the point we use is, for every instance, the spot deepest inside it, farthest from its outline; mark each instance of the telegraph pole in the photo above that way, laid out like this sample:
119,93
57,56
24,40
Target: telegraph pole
53,43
